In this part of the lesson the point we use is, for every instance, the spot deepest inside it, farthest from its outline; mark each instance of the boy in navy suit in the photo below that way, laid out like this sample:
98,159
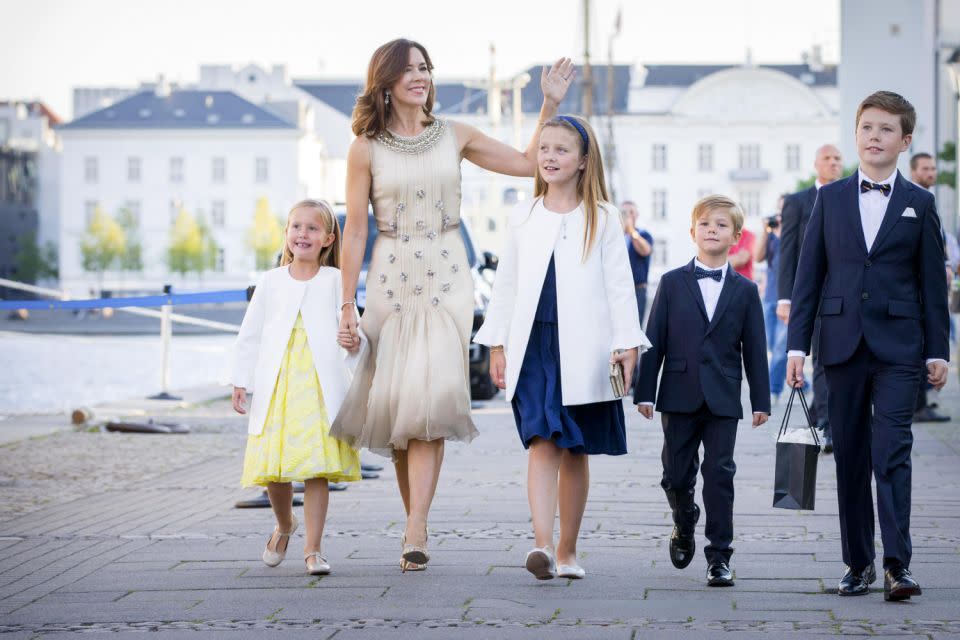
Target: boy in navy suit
706,324
872,263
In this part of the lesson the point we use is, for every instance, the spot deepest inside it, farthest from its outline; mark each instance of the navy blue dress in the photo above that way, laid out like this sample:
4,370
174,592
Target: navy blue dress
538,409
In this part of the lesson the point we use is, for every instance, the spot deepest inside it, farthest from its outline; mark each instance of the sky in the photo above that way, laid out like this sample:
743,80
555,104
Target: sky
51,46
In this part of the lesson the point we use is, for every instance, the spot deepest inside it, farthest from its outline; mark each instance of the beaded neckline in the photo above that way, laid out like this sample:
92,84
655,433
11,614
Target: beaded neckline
419,143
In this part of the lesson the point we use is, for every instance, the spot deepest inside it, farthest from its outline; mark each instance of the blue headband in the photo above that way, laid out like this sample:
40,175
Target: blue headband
579,128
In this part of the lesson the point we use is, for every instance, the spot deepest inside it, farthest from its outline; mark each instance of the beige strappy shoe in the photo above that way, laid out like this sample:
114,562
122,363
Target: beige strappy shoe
317,565
415,557
273,558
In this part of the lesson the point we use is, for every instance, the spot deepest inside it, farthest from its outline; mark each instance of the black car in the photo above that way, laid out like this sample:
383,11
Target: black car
481,385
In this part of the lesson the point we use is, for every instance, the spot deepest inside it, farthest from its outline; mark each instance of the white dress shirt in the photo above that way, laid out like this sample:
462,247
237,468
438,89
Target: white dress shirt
709,288
873,206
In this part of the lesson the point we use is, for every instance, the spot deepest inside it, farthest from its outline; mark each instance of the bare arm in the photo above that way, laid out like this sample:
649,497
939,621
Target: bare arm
493,155
355,229
640,244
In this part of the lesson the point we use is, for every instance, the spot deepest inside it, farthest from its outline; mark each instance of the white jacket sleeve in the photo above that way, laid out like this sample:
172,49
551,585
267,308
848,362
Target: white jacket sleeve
618,284
496,324
246,349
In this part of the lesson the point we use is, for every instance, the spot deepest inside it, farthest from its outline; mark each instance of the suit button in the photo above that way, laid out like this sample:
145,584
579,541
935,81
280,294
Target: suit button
865,295
868,263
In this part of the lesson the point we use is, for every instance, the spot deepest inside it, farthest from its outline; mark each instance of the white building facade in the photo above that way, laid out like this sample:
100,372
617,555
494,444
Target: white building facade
211,153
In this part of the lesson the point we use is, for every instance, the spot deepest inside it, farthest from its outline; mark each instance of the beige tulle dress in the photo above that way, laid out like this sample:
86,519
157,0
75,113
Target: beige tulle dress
412,380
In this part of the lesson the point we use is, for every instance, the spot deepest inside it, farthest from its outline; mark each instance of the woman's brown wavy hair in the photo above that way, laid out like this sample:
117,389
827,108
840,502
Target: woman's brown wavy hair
387,65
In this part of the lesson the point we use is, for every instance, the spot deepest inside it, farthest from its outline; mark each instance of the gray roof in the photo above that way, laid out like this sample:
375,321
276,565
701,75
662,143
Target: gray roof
457,97
187,109
684,75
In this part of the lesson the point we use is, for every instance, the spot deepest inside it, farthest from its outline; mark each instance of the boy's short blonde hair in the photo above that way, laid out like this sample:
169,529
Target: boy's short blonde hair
710,203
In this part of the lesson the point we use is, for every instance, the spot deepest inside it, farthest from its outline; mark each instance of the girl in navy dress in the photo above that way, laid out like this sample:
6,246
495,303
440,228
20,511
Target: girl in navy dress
563,309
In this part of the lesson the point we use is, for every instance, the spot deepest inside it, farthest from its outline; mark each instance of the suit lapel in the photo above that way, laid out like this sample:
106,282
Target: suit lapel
899,199
691,281
850,210
726,294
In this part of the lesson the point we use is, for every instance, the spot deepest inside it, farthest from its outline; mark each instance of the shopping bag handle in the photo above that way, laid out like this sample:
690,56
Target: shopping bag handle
806,412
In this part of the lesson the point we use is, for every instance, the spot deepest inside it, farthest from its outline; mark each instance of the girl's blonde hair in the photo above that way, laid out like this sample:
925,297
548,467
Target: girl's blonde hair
329,255
591,185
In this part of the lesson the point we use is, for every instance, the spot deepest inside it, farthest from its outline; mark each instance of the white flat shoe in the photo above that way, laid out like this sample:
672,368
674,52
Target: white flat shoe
317,565
541,564
273,558
574,571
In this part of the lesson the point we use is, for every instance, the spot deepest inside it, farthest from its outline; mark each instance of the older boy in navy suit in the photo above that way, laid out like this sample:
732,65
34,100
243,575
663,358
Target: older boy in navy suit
705,324
872,263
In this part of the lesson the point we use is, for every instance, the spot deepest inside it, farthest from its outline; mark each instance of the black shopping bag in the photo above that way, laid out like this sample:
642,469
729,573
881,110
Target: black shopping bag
795,479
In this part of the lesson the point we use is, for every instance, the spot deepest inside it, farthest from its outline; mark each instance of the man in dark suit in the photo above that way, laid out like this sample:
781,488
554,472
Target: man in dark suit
794,217
872,262
705,324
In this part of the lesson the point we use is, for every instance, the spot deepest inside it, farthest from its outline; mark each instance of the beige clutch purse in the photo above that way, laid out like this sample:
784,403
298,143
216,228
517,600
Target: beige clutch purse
616,379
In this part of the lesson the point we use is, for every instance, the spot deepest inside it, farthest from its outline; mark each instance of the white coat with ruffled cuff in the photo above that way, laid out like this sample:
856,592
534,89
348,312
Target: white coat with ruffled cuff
596,300
265,331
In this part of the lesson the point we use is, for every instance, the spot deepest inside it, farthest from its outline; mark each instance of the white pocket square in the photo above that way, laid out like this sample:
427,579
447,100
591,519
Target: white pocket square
909,213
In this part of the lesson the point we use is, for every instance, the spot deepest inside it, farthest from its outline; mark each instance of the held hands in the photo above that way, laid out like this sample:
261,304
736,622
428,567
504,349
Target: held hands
795,371
240,400
628,360
555,81
498,368
937,374
759,419
348,336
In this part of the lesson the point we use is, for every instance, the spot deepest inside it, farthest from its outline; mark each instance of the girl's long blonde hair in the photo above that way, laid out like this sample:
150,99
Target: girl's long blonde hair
591,185
329,255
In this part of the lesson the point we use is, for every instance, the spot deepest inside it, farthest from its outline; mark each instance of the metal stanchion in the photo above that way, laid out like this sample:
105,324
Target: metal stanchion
166,333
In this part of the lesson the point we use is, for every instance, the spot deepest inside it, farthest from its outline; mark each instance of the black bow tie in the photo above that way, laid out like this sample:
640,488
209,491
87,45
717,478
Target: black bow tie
716,274
866,185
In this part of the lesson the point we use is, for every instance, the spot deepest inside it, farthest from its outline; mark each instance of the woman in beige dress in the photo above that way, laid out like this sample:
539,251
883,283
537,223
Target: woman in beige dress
411,389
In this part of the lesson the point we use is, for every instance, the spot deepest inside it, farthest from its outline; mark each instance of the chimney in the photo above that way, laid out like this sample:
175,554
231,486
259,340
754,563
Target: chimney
816,58
162,89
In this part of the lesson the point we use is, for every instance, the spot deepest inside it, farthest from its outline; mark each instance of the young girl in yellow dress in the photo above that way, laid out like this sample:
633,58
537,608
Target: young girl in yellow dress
287,355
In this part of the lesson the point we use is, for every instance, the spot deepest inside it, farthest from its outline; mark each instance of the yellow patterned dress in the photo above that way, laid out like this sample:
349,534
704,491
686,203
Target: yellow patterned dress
295,443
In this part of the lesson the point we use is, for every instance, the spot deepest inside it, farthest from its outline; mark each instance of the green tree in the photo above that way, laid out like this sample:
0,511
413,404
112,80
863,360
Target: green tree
948,176
35,262
186,244
207,259
809,182
132,257
102,244
265,236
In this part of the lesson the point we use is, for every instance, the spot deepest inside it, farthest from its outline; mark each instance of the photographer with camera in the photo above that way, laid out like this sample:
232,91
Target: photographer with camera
767,250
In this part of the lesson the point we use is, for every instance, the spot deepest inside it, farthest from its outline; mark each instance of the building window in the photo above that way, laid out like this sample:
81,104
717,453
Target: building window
793,157
491,224
174,210
659,204
219,170
219,261
749,156
176,169
89,209
705,157
133,211
511,196
133,169
750,201
660,252
91,170
659,159
261,171
218,213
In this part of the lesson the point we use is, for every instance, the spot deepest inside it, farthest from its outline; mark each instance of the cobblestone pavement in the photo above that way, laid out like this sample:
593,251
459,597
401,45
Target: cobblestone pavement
124,534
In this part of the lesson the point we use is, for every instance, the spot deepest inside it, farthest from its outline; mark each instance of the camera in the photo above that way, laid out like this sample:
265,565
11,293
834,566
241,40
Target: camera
773,222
